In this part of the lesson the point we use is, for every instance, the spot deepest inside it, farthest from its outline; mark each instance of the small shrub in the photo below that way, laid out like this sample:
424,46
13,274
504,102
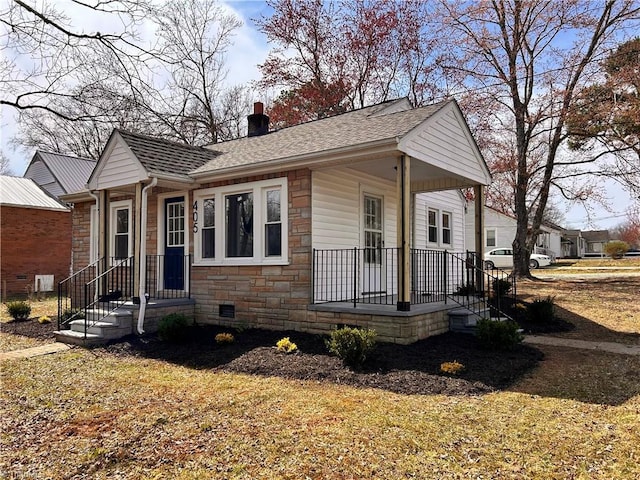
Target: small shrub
224,338
19,310
466,289
616,248
501,286
498,335
173,328
452,368
44,319
541,310
352,345
286,346
71,313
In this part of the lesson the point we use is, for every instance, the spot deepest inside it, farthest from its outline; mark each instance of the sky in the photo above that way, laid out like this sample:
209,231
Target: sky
250,49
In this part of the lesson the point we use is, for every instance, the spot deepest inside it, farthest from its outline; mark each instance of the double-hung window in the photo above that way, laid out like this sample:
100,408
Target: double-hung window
439,228
241,224
490,237
446,228
432,226
120,228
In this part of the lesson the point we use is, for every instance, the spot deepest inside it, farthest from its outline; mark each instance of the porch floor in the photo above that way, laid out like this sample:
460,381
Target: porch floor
389,307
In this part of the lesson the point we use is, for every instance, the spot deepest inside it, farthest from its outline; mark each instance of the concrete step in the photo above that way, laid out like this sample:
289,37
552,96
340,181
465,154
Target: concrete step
108,330
72,337
463,319
103,314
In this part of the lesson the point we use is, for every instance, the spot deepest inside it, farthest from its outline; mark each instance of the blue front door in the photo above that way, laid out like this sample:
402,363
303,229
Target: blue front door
174,259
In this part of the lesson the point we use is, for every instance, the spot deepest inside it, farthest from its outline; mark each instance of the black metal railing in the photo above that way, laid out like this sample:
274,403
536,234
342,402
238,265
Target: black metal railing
370,276
168,276
488,293
95,291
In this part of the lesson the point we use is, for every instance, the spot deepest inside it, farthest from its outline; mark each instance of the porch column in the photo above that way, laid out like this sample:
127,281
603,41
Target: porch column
403,181
478,192
103,225
137,239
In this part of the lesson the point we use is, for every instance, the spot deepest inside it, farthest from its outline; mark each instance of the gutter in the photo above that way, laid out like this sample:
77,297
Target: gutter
143,254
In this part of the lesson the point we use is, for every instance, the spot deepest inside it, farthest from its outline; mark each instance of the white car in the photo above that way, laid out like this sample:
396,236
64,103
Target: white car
503,258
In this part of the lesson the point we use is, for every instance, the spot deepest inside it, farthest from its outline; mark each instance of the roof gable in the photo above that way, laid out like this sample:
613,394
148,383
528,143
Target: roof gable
69,173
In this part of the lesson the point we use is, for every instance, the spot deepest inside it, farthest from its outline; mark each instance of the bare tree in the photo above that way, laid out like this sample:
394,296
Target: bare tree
527,59
5,168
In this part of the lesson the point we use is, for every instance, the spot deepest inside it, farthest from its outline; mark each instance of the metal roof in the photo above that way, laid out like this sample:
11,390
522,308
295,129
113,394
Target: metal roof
71,172
357,127
24,192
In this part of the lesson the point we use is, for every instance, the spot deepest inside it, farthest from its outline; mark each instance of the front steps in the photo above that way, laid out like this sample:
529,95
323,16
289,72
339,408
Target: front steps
102,327
465,320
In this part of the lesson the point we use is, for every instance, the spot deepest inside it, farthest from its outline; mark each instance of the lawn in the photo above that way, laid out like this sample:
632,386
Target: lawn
104,414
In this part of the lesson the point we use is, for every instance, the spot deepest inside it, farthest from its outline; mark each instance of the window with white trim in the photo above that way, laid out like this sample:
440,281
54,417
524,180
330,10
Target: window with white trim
120,228
490,237
446,228
250,227
432,226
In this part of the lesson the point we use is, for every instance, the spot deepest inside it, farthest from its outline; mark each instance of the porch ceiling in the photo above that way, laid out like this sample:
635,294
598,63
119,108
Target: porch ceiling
424,176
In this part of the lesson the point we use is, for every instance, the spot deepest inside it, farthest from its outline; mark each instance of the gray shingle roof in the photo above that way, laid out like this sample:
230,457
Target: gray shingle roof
24,192
71,172
163,156
357,127
596,235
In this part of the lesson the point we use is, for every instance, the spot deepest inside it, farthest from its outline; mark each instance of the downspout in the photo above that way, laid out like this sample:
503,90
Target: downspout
143,255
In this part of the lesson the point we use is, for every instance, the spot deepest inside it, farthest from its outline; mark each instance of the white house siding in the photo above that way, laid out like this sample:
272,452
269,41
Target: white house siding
445,144
337,198
121,168
504,226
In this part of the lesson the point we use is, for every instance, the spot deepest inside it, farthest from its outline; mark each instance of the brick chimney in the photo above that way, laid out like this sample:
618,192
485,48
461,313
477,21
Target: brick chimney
258,121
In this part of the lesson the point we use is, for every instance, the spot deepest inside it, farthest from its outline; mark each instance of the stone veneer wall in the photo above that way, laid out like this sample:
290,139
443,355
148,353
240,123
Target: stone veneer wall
271,297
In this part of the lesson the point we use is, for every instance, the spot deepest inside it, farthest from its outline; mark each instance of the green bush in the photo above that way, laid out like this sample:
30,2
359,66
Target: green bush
173,328
71,314
541,309
352,345
498,335
616,248
19,310
501,286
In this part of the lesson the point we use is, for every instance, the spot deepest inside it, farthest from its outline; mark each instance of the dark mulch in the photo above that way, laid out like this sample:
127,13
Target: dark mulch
410,369
407,369
30,328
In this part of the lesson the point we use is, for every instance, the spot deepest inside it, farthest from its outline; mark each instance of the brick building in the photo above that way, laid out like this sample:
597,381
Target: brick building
35,238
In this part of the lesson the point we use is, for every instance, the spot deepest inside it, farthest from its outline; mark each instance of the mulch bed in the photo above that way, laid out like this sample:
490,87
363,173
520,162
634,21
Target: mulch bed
406,369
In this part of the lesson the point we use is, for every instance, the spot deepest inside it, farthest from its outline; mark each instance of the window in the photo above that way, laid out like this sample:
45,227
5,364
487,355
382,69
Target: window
446,228
120,228
432,226
490,237
273,225
251,223
208,227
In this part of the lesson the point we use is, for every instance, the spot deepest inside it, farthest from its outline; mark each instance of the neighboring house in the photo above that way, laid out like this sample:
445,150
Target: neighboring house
573,244
59,174
352,219
595,241
35,248
500,230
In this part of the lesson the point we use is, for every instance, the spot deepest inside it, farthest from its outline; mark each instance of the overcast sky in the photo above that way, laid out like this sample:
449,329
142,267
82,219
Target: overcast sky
250,49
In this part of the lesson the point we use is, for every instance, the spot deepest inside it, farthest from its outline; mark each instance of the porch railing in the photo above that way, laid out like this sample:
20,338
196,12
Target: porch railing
107,284
100,288
370,276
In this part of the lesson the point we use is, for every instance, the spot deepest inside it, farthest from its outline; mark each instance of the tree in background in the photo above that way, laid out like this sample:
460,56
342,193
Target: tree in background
606,116
332,56
82,85
629,230
525,61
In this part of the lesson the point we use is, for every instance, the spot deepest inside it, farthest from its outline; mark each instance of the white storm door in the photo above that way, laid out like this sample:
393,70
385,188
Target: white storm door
372,278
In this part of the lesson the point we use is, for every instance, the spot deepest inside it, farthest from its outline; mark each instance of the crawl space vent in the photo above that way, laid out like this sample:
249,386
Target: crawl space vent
227,311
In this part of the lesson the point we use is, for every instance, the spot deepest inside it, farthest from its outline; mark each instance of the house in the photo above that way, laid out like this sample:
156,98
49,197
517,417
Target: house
353,219
595,241
35,238
59,174
500,230
573,244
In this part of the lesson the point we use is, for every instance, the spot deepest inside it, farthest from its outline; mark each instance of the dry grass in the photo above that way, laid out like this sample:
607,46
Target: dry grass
89,414
603,309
